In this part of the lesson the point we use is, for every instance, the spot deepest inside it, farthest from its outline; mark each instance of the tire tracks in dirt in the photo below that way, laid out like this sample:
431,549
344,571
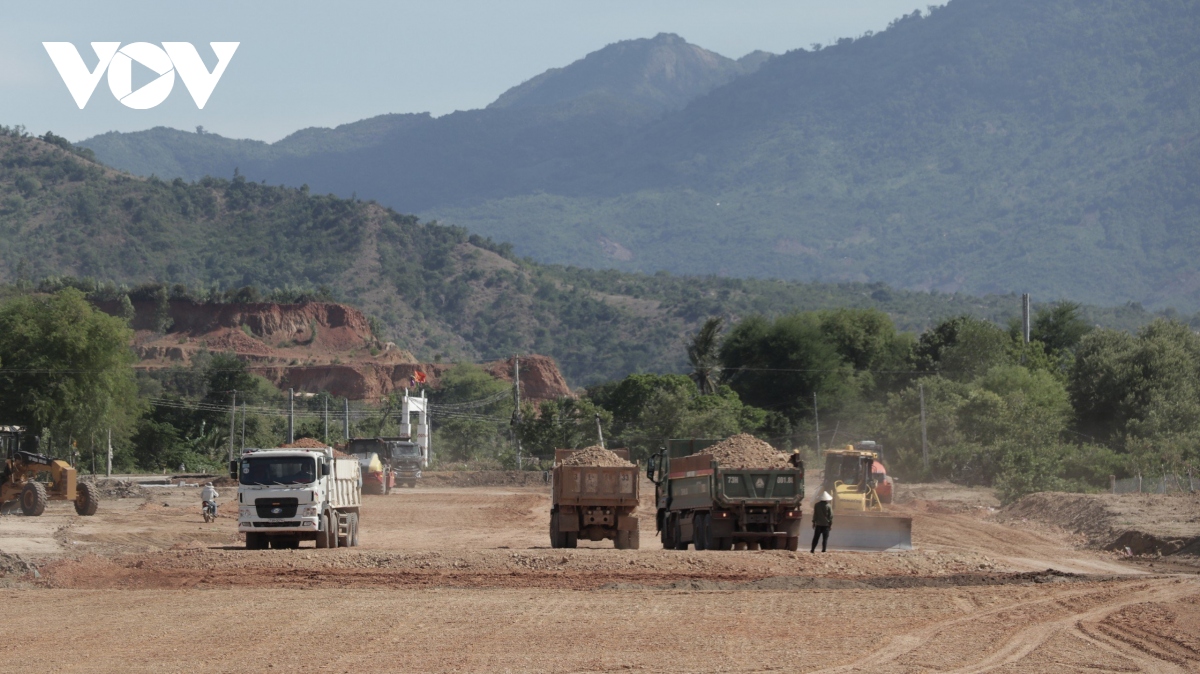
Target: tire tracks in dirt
1067,612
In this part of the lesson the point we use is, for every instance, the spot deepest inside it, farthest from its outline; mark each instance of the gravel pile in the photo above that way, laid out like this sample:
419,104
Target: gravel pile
13,564
595,456
120,489
746,451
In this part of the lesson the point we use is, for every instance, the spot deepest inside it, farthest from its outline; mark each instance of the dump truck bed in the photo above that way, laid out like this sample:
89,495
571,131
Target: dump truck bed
594,485
691,477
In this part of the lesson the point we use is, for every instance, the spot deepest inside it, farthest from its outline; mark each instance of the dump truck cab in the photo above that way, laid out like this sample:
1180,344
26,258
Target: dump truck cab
406,461
288,495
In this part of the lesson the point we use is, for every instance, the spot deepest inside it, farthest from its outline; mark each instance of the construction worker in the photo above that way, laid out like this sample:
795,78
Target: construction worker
822,520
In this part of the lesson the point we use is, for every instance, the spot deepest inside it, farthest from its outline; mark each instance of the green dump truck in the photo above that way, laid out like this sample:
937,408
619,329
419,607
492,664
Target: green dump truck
720,508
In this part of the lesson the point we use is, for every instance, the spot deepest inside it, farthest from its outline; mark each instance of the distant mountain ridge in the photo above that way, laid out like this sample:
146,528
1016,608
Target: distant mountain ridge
988,146
660,74
438,292
555,115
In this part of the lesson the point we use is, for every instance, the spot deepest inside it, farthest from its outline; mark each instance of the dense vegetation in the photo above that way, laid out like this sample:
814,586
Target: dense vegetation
987,146
1064,411
437,291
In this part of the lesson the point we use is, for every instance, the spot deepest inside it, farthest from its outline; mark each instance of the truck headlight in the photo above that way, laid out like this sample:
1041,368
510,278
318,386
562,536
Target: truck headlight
310,511
245,512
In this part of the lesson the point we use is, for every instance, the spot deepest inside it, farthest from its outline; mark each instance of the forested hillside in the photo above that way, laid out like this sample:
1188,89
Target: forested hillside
435,290
986,146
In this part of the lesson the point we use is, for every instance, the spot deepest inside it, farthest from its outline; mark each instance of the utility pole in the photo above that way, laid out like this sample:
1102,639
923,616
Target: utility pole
817,422
346,418
327,418
108,468
924,439
291,415
243,425
599,430
517,433
1026,310
232,421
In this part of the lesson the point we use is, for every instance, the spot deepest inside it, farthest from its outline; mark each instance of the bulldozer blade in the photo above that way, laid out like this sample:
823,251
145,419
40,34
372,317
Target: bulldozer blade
864,532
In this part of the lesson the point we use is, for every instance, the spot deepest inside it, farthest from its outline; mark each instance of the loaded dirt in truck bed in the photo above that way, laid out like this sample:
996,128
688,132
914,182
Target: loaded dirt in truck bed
746,452
595,456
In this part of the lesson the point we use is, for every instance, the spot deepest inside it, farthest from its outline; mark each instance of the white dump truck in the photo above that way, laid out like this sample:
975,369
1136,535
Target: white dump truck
288,495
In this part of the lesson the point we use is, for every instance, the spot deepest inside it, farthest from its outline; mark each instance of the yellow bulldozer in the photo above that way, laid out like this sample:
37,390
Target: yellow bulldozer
23,465
860,486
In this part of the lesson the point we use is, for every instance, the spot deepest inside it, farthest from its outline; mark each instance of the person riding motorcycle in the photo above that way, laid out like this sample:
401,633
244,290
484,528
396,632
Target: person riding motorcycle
208,495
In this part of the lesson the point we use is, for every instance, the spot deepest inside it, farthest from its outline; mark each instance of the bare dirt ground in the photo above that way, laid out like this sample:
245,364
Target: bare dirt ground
463,579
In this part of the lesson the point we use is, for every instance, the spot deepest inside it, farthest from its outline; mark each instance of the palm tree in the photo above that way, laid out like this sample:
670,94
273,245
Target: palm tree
702,354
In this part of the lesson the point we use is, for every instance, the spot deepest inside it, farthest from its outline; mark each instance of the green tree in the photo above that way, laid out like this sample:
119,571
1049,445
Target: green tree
1146,386
963,348
67,368
566,423
703,355
1060,327
778,365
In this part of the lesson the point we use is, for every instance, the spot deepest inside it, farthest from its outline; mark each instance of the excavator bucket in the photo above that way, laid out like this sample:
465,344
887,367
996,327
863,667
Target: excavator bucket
865,531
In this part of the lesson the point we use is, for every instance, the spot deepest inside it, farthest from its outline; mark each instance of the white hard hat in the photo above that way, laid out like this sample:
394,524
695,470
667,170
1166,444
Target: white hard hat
825,496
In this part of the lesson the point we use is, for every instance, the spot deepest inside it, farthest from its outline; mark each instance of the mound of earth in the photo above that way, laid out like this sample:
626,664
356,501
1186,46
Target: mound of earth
595,456
120,489
1146,524
746,451
310,346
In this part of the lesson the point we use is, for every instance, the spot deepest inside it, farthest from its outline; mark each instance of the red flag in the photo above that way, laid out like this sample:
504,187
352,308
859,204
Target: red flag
419,376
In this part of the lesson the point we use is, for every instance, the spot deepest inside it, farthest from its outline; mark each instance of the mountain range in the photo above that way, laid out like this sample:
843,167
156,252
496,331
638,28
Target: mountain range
986,146
438,292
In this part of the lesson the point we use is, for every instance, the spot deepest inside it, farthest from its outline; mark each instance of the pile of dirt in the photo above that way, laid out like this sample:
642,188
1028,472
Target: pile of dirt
120,489
1140,524
14,565
595,456
304,443
746,451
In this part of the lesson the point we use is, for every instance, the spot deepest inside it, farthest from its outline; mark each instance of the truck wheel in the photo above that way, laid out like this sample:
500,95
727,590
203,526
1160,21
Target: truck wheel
680,544
571,539
634,539
668,533
724,543
254,541
556,540
621,541
33,499
323,533
793,543
343,541
700,532
86,500
354,530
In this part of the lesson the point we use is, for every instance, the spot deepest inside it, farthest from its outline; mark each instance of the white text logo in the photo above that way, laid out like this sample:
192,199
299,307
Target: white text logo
171,58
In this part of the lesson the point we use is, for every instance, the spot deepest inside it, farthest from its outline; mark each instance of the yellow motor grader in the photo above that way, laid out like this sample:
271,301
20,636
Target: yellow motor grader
19,483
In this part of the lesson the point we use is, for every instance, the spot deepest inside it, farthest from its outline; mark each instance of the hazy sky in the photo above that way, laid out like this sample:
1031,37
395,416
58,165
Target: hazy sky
304,64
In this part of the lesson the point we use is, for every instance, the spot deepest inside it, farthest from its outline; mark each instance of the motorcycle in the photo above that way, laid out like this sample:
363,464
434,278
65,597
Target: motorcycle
210,511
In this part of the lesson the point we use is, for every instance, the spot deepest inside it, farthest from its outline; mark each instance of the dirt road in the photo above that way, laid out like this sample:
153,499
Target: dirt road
462,579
